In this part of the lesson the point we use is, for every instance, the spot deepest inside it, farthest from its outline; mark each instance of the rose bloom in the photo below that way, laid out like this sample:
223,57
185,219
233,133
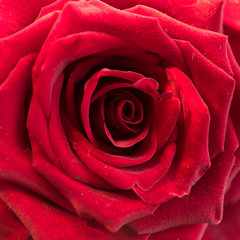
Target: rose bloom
119,120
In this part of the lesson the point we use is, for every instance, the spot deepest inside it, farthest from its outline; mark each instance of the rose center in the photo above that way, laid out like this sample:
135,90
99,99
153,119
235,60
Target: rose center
128,110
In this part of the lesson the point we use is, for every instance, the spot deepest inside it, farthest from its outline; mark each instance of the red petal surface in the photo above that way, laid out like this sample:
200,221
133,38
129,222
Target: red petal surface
202,14
188,232
232,25
229,228
206,75
14,16
11,228
52,220
36,34
185,170
113,210
16,156
215,42
81,16
205,201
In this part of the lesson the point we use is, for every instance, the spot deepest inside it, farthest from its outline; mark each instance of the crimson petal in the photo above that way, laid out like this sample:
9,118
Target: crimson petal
106,207
185,170
203,204
27,206
217,43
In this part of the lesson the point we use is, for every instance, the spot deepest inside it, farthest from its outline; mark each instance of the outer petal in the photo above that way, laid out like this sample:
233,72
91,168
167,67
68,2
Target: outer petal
203,14
229,228
10,226
14,16
82,16
53,222
206,75
36,34
232,25
234,111
56,5
112,209
205,201
15,150
233,194
188,232
215,42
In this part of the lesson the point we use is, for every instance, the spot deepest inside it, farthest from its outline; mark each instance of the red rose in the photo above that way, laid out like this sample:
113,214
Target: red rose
119,119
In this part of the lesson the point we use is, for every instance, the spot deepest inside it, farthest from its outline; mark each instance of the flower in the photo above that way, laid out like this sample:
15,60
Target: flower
119,119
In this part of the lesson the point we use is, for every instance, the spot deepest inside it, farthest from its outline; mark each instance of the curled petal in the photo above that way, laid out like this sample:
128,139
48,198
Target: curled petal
36,33
12,17
106,207
217,43
206,75
185,171
229,228
79,15
201,14
11,227
203,204
26,206
185,232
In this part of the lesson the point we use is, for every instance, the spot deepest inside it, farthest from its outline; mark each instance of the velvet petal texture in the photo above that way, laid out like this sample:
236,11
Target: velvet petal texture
192,40
229,228
11,228
204,204
187,232
202,14
232,25
36,32
52,220
184,166
118,120
16,165
15,16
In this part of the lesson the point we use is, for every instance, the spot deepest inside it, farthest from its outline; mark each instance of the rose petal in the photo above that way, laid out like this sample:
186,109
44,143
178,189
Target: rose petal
229,228
36,34
202,14
203,204
184,232
144,176
217,43
185,170
165,116
142,153
68,161
234,111
83,12
231,14
205,76
233,194
16,16
50,138
106,207
130,140
231,21
11,227
73,47
88,97
27,206
56,5
15,156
